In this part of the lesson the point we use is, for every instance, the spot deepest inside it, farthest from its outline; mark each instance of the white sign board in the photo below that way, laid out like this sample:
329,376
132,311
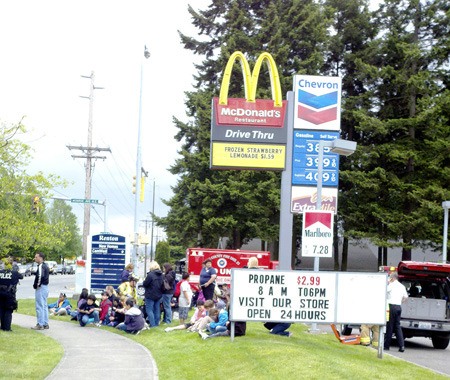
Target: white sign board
317,236
298,296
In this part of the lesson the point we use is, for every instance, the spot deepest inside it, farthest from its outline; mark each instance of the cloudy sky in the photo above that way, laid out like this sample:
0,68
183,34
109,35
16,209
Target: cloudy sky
46,47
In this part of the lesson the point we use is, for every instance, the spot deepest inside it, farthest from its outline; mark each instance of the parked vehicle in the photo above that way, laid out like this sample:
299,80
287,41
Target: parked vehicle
24,269
426,312
33,268
60,269
70,269
223,260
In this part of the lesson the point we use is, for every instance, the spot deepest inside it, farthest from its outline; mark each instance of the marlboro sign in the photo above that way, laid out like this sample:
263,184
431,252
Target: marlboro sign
317,236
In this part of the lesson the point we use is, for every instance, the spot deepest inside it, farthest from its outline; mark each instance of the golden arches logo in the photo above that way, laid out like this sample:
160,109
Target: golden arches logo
251,78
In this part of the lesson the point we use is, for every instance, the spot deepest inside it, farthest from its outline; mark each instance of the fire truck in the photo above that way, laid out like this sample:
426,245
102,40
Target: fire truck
223,260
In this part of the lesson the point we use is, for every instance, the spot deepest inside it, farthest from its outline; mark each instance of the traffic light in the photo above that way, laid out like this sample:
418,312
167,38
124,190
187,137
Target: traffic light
134,185
36,203
141,195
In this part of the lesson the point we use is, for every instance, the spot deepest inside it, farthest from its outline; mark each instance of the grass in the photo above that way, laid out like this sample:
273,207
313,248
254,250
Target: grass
25,354
258,355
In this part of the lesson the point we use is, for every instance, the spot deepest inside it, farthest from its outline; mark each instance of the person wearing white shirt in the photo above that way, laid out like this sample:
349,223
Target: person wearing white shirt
396,295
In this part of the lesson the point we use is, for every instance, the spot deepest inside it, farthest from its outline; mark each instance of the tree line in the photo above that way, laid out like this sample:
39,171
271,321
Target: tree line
394,64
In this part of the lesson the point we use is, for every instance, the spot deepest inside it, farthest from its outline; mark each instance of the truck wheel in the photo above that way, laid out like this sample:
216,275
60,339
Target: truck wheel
439,342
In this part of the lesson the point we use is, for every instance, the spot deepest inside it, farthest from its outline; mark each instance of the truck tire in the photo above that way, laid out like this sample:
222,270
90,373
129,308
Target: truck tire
440,342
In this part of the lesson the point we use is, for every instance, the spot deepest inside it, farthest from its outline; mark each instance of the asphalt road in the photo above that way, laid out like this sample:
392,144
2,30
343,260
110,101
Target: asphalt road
58,283
417,350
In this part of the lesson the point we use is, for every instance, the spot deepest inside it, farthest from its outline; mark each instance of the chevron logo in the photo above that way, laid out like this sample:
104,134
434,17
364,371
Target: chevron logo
317,101
317,117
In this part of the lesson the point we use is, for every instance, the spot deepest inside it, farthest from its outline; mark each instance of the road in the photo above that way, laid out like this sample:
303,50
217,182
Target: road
417,350
58,283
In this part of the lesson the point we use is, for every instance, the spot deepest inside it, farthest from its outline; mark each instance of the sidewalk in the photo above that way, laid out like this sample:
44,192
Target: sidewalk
90,352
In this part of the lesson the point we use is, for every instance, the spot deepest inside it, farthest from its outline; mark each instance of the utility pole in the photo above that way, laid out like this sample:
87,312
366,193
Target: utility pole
145,251
153,222
138,167
88,154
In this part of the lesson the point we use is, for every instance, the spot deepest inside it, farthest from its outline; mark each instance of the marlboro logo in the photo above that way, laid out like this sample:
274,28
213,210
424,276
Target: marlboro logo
323,218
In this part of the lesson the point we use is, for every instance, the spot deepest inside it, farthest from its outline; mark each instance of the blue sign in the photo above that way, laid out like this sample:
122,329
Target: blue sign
107,260
305,156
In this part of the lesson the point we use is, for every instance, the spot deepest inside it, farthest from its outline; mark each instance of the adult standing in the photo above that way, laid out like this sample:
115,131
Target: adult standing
167,294
125,275
41,294
208,279
9,278
153,284
396,295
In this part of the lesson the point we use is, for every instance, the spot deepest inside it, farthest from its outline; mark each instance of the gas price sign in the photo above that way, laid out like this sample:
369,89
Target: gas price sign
305,159
284,296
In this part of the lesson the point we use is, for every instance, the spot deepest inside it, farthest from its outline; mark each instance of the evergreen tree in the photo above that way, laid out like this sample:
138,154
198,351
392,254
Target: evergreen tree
401,185
240,205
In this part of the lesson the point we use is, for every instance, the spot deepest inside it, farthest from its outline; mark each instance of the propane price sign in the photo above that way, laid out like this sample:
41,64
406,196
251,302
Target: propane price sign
317,236
282,296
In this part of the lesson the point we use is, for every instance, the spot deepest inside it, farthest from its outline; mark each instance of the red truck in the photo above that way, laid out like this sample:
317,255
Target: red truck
223,260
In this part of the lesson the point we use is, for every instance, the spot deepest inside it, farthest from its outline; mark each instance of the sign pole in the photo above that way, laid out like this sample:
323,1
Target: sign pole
286,219
314,328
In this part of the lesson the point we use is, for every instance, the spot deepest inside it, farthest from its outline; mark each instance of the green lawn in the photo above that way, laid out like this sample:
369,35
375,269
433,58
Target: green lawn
258,355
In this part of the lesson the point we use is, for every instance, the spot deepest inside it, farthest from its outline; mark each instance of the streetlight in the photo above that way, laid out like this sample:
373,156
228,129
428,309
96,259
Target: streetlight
338,146
446,206
343,148
138,169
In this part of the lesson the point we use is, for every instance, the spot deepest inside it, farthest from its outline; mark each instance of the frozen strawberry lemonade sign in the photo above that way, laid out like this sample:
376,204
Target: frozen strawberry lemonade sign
317,237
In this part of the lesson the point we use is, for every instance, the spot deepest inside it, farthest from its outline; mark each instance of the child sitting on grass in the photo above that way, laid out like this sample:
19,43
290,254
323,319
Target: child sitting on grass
134,320
199,313
89,311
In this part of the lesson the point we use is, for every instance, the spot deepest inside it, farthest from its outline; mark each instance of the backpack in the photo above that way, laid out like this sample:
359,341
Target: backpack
177,291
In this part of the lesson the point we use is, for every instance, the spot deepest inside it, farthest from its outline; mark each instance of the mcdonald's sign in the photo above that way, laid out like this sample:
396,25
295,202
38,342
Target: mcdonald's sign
259,124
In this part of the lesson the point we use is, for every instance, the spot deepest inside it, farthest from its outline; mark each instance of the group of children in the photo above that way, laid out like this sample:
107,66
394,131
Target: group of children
210,318
114,311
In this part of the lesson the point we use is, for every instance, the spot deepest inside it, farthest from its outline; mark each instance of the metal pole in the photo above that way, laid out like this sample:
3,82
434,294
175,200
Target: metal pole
444,240
314,328
105,223
153,222
286,218
319,190
138,170
88,182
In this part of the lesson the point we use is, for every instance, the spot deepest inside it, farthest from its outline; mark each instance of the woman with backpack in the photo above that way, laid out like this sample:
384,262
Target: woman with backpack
167,292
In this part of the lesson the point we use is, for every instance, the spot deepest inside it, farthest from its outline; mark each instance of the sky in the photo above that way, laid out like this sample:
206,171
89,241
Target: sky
46,48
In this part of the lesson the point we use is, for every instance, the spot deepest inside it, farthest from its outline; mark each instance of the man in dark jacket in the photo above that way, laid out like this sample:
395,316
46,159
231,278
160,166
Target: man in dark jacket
9,278
153,285
41,286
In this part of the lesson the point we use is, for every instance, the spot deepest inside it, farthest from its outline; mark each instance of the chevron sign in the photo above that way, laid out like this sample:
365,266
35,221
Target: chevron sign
318,102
